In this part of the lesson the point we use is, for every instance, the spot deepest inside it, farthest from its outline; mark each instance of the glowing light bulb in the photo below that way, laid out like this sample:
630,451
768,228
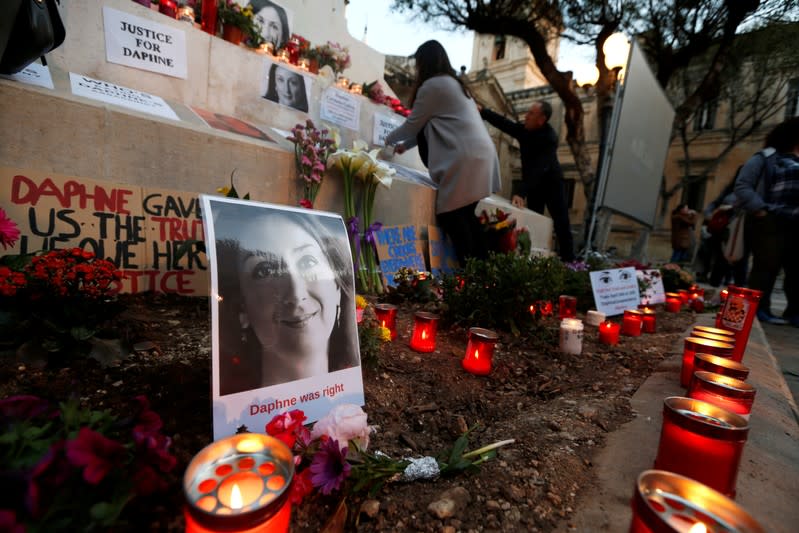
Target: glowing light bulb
235,497
699,527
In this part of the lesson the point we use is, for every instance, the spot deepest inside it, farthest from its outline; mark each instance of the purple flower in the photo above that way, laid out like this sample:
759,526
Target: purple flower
96,453
329,467
8,522
22,407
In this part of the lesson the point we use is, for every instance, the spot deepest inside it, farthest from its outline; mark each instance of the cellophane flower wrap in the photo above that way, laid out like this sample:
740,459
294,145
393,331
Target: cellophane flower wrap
312,147
360,169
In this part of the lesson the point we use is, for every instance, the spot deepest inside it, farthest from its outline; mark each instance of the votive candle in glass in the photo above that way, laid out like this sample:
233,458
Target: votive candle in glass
240,483
283,56
567,306
293,47
343,83
594,318
304,64
168,8
545,308
665,502
716,331
425,326
609,333
685,295
649,318
208,17
712,336
728,393
673,303
723,295
701,441
479,351
571,336
631,323
698,304
694,345
738,314
266,49
720,365
387,316
186,14
356,88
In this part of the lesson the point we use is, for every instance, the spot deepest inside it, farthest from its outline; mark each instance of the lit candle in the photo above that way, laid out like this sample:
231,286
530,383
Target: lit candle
594,318
649,318
240,483
293,47
723,295
685,295
168,8
387,316
479,351
571,336
673,302
738,314
728,393
343,82
720,365
665,501
304,64
631,323
545,308
609,333
694,345
698,304
356,88
266,49
712,336
567,306
425,326
701,441
283,56
716,331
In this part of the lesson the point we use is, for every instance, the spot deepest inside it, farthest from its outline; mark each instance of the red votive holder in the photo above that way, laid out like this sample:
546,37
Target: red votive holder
168,8
696,292
609,333
712,336
732,394
387,316
716,331
720,365
425,326
665,502
698,304
694,345
479,351
293,46
649,320
632,322
738,314
701,441
673,302
685,295
239,484
208,17
723,295
544,307
567,306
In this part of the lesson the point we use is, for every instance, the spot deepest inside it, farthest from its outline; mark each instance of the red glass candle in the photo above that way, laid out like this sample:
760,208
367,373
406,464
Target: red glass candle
631,323
723,295
168,8
698,305
712,336
720,365
293,46
728,393
701,441
649,318
696,292
387,316
665,502
738,314
240,484
209,17
479,351
673,304
545,308
609,333
716,331
685,295
567,306
425,326
694,345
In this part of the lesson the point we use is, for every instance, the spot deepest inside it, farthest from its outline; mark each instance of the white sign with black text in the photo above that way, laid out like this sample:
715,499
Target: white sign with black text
384,124
615,290
34,74
111,93
141,43
342,108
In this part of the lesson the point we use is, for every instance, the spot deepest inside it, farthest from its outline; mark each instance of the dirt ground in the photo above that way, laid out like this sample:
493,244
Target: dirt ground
559,409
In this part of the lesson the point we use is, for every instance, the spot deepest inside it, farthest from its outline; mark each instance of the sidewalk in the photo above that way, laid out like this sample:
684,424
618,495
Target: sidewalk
768,479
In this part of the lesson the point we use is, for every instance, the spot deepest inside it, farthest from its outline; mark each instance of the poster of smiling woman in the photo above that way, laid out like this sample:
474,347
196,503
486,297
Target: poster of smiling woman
283,332
286,85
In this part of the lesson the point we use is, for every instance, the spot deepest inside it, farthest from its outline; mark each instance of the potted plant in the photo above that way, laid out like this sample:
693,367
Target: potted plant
237,22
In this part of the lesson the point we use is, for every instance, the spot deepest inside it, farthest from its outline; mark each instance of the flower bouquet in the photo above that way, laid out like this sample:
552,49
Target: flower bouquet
500,230
312,147
334,55
237,22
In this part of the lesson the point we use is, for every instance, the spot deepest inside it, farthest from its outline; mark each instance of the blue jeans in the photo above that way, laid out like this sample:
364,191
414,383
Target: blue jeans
678,256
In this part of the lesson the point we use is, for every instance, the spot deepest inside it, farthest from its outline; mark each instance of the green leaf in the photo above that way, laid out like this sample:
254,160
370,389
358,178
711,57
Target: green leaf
458,448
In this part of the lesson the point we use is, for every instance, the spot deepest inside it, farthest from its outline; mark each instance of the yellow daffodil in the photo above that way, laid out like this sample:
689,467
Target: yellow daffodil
385,334
360,302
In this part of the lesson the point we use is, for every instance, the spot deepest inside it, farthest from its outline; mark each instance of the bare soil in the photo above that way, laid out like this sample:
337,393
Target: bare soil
559,409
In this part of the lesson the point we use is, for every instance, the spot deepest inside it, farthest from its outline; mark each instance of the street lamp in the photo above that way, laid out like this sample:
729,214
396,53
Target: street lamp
586,75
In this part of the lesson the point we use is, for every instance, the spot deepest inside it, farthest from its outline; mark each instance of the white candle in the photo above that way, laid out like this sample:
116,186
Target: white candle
594,318
571,336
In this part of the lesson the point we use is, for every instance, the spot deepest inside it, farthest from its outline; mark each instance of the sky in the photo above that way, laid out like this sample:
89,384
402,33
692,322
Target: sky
398,34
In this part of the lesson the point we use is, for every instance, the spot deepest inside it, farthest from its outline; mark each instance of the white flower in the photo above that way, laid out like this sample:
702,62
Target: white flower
345,422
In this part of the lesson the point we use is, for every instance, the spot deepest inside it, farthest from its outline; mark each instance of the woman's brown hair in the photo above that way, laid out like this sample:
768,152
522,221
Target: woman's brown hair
432,60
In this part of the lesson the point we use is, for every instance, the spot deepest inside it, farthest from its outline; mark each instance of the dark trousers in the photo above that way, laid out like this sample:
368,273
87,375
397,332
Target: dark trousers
552,195
465,232
775,245
721,269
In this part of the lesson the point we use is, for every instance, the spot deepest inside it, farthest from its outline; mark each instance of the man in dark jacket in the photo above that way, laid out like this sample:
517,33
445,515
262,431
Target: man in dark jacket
542,178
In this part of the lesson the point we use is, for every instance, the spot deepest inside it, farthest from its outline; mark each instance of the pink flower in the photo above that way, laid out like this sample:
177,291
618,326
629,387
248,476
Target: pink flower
345,422
301,487
306,203
95,453
329,467
287,426
8,522
9,233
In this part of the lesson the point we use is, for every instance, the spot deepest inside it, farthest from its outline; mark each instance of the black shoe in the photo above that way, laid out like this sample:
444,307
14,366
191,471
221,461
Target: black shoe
767,318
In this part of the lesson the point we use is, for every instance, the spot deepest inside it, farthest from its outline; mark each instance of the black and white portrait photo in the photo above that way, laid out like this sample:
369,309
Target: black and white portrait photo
274,20
287,86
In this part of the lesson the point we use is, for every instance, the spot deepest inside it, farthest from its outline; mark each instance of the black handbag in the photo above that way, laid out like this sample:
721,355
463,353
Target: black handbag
36,29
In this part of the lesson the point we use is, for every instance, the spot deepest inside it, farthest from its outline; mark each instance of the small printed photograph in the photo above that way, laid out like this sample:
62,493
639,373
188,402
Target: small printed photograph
222,122
286,86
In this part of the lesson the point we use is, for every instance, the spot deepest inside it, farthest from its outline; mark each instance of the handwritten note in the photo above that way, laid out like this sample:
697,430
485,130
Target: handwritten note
615,290
397,247
341,107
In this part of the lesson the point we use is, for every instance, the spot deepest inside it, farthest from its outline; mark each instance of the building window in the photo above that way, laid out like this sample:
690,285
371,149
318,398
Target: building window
705,116
693,192
499,47
792,99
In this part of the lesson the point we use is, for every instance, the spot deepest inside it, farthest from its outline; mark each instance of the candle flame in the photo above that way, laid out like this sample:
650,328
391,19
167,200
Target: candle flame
477,354
235,497
424,334
699,527
382,323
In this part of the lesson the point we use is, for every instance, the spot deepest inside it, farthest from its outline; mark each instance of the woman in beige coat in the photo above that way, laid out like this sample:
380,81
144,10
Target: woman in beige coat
461,157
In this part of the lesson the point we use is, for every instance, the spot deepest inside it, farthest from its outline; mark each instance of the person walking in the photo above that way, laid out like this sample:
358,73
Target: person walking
461,157
683,219
718,215
768,189
542,178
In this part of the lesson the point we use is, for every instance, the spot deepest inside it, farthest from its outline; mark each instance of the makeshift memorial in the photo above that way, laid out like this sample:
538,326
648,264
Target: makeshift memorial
726,392
375,92
312,147
694,345
665,501
720,365
331,54
701,441
423,338
479,351
237,22
387,316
